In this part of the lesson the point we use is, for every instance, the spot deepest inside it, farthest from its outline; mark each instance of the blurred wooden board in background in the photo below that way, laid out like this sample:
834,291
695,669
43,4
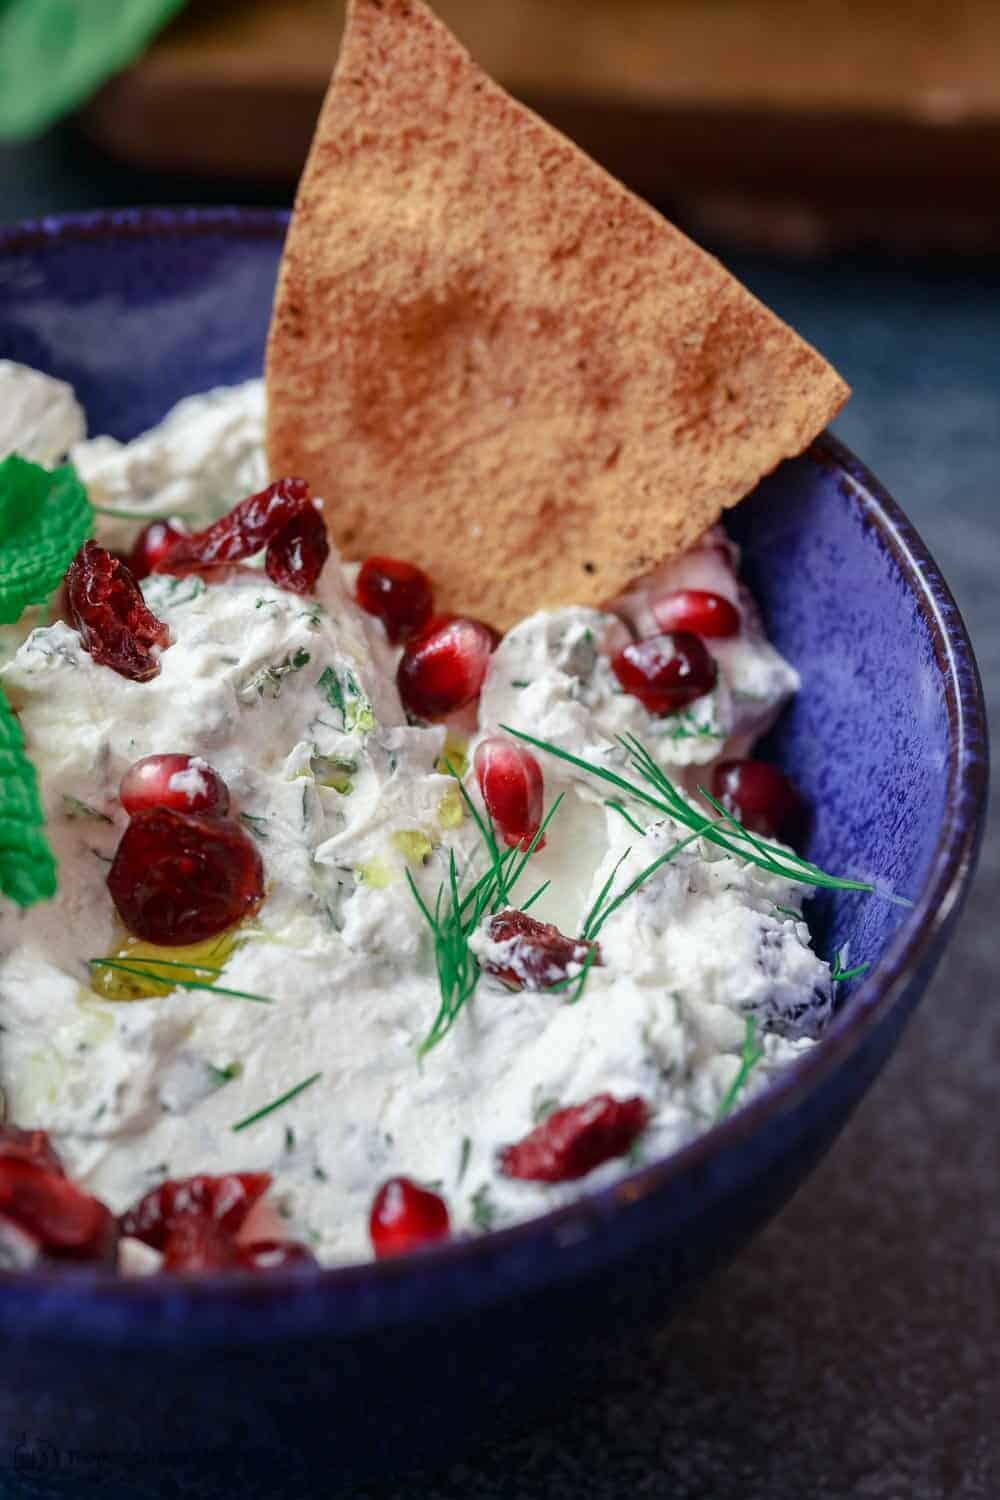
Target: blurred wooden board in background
777,122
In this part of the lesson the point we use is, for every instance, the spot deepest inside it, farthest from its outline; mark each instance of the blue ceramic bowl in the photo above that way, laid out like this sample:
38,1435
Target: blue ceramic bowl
277,1387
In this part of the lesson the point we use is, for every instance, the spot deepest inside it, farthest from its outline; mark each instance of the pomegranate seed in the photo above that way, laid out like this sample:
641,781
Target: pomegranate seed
67,1222
539,955
398,593
442,669
666,672
296,554
179,878
184,783
404,1217
762,797
198,1243
248,527
19,1250
32,1146
273,1255
108,610
573,1141
510,780
698,612
152,545
226,1201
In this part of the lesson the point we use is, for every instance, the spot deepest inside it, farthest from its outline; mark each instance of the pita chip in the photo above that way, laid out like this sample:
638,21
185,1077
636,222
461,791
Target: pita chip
493,360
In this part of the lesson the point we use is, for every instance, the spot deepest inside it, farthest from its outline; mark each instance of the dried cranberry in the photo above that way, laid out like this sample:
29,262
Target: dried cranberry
666,672
761,797
404,1217
182,877
184,783
573,1141
29,1145
198,1243
698,612
108,610
226,1201
398,593
67,1222
273,1255
537,954
152,545
247,528
510,780
296,554
443,668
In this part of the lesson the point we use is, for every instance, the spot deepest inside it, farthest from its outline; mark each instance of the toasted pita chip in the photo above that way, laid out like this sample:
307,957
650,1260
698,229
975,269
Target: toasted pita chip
493,360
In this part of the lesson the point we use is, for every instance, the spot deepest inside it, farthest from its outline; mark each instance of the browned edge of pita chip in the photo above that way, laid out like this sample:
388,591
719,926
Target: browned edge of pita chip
493,360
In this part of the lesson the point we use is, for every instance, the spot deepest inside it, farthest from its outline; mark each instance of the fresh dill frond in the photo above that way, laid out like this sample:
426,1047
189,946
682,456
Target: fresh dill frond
457,914
657,791
750,1056
837,974
143,971
284,1098
623,812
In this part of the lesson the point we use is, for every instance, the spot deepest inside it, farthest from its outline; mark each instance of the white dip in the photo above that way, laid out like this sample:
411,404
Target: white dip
343,802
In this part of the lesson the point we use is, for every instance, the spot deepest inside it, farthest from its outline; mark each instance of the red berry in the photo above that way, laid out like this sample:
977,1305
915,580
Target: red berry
152,545
108,610
698,612
539,954
273,1255
398,593
510,780
183,877
184,783
296,554
247,528
198,1243
572,1142
442,669
32,1146
225,1201
19,1250
666,672
404,1217
66,1221
762,797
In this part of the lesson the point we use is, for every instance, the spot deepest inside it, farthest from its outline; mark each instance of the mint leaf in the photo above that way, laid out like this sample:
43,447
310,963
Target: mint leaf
53,53
44,517
27,867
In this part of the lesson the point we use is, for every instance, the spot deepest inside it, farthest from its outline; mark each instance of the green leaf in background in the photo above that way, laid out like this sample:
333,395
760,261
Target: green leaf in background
44,517
27,866
53,53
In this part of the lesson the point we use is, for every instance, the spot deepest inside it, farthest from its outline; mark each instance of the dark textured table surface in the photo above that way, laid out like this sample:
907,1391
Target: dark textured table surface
852,1350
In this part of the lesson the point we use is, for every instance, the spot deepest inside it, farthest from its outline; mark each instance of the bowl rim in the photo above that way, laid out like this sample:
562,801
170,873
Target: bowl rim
914,947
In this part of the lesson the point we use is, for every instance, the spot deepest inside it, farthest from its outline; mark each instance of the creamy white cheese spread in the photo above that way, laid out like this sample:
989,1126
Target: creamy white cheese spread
293,701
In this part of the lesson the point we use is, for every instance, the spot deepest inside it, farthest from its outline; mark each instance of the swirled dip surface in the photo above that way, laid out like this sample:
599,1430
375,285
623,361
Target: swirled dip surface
294,702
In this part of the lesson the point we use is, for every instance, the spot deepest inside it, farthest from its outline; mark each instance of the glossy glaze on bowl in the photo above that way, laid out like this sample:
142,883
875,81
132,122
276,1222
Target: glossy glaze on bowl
259,1388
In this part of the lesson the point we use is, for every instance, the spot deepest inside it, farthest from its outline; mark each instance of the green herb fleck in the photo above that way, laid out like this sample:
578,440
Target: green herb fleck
74,808
750,1056
146,969
344,695
285,1098
789,911
484,1211
838,974
519,682
225,1075
463,1161
257,825
268,681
